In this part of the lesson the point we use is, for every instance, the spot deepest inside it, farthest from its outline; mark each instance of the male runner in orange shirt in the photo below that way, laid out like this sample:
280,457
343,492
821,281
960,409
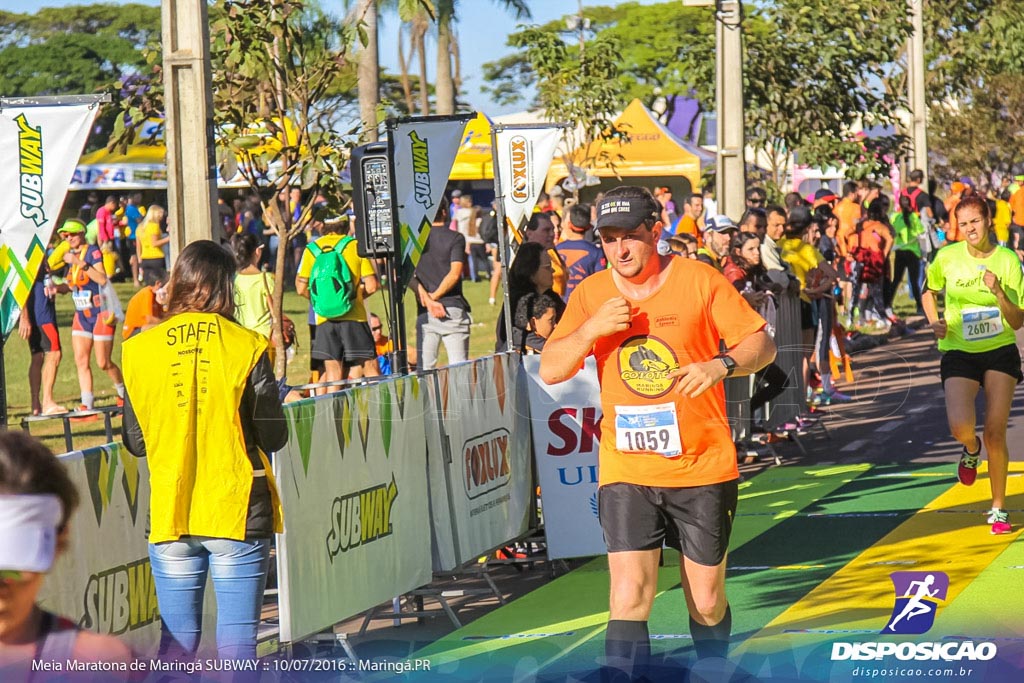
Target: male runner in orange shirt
665,332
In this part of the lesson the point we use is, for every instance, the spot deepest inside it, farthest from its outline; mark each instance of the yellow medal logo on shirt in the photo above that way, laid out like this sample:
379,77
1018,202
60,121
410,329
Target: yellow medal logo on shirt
644,364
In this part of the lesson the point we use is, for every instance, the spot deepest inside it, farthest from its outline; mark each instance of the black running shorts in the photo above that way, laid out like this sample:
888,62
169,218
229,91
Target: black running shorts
808,317
695,520
345,341
1005,359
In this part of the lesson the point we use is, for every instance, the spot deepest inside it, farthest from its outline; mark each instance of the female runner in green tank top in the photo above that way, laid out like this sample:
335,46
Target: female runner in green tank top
983,285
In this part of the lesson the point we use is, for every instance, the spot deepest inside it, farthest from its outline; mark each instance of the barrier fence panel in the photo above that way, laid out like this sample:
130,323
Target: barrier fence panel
565,421
353,485
103,579
790,403
791,352
481,484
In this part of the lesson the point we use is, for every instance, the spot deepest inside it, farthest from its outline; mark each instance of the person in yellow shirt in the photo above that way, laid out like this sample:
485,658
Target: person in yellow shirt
150,241
344,342
1002,218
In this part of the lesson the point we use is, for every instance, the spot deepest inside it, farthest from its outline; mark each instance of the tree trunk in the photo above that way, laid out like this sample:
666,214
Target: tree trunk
420,33
369,71
457,59
275,214
403,66
444,90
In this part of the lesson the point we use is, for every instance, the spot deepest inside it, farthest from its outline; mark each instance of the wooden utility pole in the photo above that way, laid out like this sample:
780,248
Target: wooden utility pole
188,100
730,173
916,92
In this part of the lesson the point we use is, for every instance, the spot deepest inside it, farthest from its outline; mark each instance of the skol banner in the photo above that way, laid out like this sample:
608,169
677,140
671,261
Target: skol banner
103,580
424,151
523,156
483,496
566,426
42,148
356,516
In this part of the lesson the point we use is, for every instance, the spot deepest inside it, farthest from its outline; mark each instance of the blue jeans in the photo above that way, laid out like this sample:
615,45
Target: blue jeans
239,571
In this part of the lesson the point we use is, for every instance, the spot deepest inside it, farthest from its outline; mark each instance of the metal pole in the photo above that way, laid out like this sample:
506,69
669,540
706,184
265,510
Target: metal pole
396,276
504,248
188,98
730,180
916,94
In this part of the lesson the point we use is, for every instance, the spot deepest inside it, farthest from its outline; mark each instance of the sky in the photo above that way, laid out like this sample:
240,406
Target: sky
483,29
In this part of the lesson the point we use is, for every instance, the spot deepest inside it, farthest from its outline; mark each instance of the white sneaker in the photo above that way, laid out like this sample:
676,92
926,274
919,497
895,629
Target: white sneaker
490,301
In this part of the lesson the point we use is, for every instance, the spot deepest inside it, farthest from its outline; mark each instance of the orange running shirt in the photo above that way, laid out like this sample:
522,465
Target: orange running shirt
1017,206
141,307
848,212
681,323
688,225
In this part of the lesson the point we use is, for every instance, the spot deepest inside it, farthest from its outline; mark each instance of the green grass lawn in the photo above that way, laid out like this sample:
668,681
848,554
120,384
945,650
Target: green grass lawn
66,391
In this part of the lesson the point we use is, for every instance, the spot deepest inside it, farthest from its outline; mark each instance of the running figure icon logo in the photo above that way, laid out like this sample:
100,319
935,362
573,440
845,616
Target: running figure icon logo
918,595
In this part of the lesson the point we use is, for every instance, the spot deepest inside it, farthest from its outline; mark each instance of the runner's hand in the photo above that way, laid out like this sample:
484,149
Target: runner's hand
696,378
612,317
24,328
992,282
939,328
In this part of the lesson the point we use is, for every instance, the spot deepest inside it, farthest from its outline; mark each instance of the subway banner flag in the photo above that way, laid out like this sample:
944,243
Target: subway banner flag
42,146
424,151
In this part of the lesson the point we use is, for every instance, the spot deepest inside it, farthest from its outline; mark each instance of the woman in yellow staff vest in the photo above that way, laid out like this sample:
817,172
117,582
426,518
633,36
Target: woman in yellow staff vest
203,405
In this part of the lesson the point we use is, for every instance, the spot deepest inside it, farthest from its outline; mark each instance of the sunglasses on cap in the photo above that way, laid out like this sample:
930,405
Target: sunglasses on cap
376,328
14,575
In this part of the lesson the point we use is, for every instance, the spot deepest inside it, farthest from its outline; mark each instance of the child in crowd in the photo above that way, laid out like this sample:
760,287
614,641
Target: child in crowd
537,314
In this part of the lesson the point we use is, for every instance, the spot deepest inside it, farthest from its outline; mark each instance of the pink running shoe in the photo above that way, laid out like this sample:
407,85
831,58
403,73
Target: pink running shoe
1000,521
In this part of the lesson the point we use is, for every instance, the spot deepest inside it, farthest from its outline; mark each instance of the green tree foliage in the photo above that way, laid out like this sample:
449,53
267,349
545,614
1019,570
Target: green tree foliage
812,73
75,49
576,86
983,134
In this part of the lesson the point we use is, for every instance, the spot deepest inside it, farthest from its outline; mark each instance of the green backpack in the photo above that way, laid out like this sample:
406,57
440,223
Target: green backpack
332,286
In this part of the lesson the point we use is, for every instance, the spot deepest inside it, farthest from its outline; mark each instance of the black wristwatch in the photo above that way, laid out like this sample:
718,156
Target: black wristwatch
729,363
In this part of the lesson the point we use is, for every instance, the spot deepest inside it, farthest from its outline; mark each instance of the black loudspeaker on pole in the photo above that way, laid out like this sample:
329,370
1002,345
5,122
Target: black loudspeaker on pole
373,192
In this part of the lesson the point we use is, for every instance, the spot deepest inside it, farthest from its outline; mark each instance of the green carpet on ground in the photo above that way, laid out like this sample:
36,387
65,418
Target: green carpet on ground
773,562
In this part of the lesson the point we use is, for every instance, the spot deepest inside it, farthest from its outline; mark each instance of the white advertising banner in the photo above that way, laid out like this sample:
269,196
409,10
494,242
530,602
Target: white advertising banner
424,151
43,144
485,493
566,421
103,580
523,156
353,485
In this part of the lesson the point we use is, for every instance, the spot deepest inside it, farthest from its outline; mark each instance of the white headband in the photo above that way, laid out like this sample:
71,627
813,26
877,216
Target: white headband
28,531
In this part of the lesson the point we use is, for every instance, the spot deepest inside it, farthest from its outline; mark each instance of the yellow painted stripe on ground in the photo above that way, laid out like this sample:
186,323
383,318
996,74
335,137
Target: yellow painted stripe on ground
860,595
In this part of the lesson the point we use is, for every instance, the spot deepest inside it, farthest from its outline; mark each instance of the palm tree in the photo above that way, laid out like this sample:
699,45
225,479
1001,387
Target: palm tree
368,71
367,12
447,15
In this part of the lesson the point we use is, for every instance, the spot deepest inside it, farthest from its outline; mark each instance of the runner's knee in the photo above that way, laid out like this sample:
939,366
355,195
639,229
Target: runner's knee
708,605
630,599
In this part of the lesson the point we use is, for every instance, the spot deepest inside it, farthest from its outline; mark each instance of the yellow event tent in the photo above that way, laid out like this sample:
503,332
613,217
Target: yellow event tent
653,151
474,160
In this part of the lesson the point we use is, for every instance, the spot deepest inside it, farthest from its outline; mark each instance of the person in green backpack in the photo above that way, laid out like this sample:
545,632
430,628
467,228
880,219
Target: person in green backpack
335,279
